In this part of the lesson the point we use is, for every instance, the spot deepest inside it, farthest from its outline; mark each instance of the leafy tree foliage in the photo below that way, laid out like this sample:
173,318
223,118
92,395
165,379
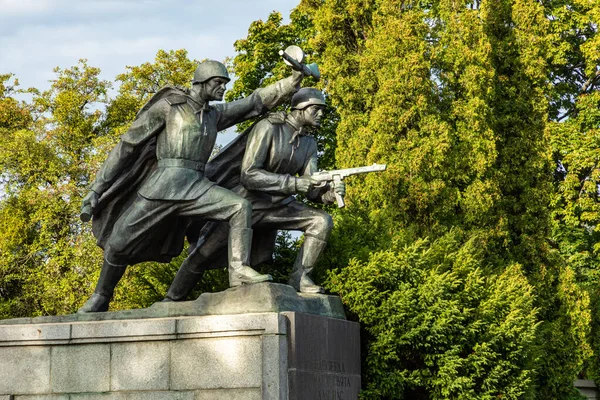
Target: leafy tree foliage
439,327
457,98
50,149
470,262
573,131
46,256
453,96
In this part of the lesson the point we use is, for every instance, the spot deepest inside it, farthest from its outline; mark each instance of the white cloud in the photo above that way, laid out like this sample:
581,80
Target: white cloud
23,7
113,34
113,6
38,35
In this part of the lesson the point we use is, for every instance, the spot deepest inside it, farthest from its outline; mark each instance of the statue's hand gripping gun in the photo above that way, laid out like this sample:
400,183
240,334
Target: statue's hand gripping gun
338,175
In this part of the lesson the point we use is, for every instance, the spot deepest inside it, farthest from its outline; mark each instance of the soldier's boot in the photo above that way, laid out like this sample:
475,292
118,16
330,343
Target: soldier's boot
309,253
110,275
187,277
240,243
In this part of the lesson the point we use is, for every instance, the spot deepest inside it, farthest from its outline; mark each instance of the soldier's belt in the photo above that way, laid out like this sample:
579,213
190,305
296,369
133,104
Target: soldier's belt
181,163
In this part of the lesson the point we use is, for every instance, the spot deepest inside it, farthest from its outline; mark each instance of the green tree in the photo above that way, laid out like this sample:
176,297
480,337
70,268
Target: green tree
453,96
439,327
50,150
573,130
46,256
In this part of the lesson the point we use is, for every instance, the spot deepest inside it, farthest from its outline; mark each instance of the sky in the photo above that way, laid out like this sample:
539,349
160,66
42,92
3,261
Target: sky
38,35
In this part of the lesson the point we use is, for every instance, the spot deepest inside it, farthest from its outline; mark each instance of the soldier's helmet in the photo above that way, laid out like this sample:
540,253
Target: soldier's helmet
307,97
210,69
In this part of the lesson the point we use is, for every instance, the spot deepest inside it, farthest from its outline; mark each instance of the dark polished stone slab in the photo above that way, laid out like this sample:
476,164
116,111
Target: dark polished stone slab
324,358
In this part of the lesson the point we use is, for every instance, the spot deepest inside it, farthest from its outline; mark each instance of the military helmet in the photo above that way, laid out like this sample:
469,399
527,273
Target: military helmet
210,69
307,97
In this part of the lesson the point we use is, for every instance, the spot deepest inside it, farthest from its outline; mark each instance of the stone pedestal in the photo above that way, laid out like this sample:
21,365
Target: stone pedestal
587,388
260,355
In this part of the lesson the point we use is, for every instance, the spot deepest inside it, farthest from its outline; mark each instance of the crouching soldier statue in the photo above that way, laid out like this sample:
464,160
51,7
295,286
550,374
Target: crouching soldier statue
277,156
154,183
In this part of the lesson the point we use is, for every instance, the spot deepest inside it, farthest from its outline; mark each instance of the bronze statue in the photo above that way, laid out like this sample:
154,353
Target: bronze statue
279,158
154,183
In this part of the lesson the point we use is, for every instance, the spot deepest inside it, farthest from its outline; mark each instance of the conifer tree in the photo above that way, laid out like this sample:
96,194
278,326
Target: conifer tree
453,97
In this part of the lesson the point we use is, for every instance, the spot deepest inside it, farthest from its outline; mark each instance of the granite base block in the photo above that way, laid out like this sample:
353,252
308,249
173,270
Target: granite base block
256,298
267,356
221,394
587,389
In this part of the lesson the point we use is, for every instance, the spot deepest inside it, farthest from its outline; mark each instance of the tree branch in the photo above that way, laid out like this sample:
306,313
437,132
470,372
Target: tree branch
590,82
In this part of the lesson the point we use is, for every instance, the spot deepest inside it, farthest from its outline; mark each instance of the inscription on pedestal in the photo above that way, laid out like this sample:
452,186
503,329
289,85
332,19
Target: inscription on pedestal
324,361
330,366
323,386
339,381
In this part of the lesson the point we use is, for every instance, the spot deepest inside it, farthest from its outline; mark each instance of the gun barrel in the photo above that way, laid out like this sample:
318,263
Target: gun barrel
343,173
360,170
337,175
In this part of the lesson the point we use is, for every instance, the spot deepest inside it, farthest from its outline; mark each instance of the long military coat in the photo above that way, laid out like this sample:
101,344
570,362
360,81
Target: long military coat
169,130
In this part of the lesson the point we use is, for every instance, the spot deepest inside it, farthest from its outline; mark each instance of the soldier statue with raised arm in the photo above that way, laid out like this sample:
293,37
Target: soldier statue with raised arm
153,182
279,158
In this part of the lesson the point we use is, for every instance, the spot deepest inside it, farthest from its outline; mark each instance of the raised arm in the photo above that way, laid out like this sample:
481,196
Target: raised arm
259,102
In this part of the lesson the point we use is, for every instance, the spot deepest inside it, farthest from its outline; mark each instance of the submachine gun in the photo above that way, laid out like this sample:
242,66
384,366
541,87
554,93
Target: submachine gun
338,175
